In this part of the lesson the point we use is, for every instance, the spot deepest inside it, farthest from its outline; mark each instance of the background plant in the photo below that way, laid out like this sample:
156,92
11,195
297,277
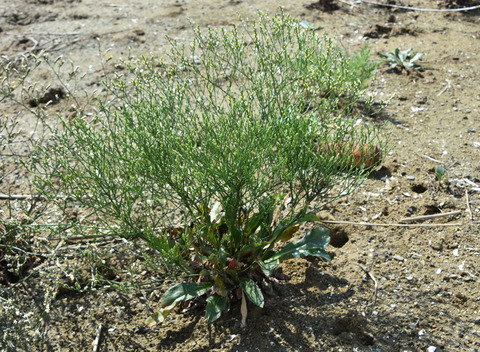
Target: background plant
403,59
217,153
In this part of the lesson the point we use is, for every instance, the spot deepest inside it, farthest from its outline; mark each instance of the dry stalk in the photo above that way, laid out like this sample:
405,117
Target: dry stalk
469,210
382,224
427,217
96,342
375,292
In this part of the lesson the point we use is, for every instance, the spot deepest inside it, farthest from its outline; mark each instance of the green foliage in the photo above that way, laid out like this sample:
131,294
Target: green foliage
402,59
217,154
440,174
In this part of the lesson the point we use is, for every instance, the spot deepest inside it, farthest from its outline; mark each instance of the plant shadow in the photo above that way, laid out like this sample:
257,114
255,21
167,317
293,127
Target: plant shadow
293,317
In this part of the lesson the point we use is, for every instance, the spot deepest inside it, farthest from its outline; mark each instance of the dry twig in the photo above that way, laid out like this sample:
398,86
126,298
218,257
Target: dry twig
433,216
447,86
380,224
432,159
13,196
375,292
469,210
96,342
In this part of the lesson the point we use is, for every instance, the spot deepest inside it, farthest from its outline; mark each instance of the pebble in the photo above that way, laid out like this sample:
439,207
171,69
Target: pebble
431,349
410,177
139,330
398,257
420,99
477,320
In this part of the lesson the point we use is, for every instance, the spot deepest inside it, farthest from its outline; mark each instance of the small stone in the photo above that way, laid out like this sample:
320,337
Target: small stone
398,257
139,330
420,99
431,349
477,320
410,177
436,246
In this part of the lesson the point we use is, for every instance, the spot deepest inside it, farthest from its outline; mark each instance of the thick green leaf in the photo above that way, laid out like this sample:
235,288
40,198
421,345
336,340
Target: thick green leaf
403,55
184,292
155,319
284,225
252,291
158,317
215,305
313,243
269,266
416,56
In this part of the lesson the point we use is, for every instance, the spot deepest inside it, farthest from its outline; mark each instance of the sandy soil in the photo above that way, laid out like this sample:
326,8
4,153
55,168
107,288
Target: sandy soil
428,293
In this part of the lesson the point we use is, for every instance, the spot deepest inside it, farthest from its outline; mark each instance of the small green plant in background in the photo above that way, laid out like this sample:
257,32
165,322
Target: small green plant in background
216,155
402,59
441,175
